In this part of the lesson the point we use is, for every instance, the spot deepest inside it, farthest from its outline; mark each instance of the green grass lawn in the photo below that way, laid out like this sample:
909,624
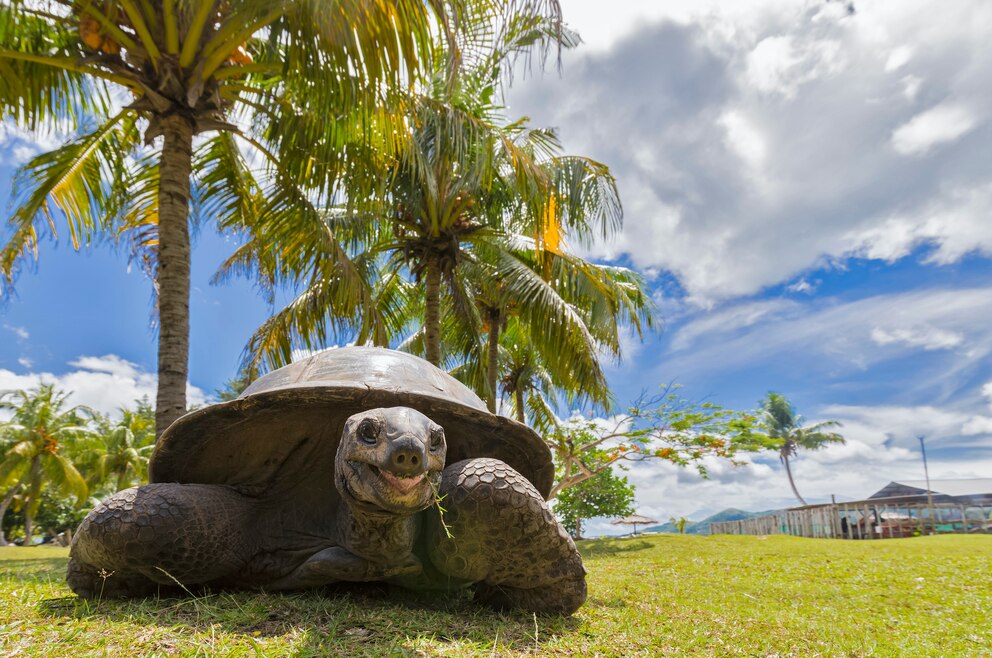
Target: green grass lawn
649,596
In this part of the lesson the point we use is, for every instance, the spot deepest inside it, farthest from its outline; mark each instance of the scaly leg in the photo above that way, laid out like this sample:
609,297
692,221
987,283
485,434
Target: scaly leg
159,534
504,536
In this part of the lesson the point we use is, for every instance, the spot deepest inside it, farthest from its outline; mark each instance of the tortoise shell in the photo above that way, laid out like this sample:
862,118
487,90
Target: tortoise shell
280,436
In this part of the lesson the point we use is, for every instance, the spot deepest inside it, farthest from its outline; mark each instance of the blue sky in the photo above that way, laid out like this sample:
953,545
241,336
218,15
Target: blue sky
807,189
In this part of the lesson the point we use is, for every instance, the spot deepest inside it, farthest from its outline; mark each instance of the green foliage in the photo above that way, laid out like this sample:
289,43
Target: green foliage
116,455
232,388
96,455
679,523
666,426
605,494
56,514
40,439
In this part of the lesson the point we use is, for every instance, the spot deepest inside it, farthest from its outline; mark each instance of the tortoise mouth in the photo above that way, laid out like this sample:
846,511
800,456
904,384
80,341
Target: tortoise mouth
404,485
374,489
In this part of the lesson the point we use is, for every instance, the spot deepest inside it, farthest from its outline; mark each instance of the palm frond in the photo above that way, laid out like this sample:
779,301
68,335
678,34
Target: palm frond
84,181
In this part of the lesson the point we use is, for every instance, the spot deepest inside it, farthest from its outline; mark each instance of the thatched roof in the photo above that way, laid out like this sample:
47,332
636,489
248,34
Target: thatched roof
634,519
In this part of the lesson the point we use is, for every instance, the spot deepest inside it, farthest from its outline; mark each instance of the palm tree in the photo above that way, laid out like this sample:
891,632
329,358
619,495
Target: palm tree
8,498
461,164
118,452
37,436
9,491
303,76
568,312
455,156
462,223
461,200
787,433
524,379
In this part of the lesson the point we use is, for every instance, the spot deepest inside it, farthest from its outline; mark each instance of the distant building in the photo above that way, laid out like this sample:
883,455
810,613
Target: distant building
899,509
977,491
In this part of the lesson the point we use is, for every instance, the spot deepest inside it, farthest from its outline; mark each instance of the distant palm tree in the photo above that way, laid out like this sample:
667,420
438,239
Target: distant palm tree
526,381
787,434
117,454
8,498
36,437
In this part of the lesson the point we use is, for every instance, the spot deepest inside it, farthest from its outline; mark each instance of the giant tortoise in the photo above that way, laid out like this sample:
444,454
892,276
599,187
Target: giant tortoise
356,464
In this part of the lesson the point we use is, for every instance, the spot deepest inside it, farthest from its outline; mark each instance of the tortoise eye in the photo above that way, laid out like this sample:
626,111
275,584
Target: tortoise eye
368,431
437,437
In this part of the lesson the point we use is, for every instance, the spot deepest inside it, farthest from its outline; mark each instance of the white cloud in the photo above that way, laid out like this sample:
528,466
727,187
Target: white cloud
23,144
944,123
955,223
25,362
603,25
892,426
927,337
110,364
730,320
781,64
20,332
301,354
977,425
744,139
898,57
631,347
833,343
911,85
105,383
802,286
755,143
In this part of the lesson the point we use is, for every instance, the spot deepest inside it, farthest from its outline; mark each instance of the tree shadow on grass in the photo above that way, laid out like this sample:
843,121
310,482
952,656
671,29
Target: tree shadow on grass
21,569
598,547
347,620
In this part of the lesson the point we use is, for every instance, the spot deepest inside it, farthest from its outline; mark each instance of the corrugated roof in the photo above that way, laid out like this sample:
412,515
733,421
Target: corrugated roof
973,487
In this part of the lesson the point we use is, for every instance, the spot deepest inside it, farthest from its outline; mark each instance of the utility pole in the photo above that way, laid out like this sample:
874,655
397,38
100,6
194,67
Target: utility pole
926,471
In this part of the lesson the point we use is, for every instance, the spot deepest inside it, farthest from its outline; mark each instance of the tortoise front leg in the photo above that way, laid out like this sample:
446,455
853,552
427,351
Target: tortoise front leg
338,564
160,534
501,534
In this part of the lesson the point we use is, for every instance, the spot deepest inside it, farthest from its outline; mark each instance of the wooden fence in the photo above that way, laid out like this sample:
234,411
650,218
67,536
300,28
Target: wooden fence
864,520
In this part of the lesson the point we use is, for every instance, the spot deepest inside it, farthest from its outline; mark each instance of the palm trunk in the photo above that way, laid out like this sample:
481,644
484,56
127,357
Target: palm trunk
173,271
432,310
4,504
28,528
792,483
518,398
33,474
492,367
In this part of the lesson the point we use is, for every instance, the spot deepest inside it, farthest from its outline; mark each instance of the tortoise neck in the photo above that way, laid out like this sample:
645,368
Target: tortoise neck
376,535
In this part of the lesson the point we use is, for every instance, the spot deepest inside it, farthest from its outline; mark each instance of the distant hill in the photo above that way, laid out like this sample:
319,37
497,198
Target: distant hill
703,527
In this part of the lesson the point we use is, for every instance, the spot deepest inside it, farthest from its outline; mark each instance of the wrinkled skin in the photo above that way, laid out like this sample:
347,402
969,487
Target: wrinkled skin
496,531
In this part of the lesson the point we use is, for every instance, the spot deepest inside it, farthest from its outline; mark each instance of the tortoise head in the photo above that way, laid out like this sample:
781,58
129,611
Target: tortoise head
390,459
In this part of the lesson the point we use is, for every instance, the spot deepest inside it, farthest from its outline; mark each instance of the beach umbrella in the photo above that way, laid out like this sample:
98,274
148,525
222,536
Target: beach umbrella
634,520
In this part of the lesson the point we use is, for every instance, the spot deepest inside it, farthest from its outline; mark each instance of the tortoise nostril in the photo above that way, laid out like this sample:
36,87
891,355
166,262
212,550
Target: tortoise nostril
405,460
